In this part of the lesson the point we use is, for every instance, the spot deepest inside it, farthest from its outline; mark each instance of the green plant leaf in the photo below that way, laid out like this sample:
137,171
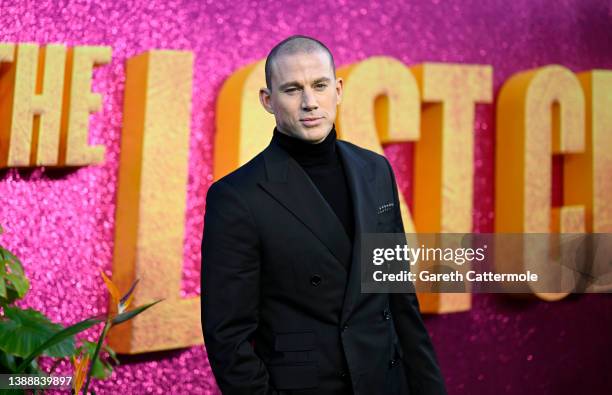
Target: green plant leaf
102,368
60,337
22,331
14,263
12,392
11,296
7,363
118,319
13,282
20,283
96,353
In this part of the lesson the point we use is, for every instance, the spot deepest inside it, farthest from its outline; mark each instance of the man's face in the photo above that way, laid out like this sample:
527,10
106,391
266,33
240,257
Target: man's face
303,96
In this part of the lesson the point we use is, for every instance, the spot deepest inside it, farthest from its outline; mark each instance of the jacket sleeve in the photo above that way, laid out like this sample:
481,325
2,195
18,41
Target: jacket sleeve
422,370
230,292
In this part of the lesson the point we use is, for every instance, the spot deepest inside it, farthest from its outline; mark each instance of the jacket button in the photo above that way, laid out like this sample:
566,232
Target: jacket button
344,328
315,280
386,314
392,363
343,374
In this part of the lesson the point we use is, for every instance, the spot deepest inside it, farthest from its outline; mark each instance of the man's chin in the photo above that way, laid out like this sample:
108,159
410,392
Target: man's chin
315,135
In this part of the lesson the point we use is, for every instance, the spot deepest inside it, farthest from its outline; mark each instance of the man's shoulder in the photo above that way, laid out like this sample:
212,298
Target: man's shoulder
245,176
363,153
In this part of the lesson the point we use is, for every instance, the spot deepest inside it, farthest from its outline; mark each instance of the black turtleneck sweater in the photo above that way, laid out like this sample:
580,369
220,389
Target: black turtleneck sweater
323,165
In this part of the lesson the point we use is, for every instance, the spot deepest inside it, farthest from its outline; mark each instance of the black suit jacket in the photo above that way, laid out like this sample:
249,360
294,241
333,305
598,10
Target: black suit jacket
280,312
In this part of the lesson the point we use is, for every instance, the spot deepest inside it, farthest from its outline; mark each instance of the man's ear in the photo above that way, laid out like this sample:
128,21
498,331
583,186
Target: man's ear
265,99
339,89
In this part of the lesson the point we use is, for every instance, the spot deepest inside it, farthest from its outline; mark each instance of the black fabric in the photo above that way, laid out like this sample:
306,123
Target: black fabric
323,165
279,313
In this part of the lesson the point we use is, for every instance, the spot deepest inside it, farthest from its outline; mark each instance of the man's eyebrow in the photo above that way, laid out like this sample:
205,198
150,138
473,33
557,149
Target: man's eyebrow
292,84
289,84
322,79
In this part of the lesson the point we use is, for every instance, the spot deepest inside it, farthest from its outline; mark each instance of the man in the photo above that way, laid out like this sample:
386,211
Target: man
282,311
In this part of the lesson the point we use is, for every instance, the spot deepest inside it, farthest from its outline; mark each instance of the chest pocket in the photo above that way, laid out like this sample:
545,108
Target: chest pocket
385,215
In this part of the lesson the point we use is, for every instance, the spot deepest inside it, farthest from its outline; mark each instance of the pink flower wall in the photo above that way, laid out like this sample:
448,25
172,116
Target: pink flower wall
61,222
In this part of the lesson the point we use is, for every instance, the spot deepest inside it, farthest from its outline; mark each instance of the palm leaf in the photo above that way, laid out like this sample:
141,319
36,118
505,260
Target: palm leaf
59,337
22,331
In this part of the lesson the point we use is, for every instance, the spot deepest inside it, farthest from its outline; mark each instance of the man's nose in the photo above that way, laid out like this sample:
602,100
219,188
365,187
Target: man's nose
309,100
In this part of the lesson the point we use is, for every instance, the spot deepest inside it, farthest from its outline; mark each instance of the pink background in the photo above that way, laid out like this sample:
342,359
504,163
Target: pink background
61,222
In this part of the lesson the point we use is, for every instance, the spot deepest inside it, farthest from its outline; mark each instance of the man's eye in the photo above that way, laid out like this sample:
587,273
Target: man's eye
321,86
291,90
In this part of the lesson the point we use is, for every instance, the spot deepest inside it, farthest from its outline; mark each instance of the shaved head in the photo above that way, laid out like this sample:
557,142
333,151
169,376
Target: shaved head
294,45
302,90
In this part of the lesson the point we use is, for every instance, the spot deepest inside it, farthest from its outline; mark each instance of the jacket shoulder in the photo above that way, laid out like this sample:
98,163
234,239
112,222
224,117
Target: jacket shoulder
246,175
379,164
364,153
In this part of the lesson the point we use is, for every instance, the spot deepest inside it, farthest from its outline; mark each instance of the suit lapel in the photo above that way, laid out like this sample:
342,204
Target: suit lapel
362,185
289,184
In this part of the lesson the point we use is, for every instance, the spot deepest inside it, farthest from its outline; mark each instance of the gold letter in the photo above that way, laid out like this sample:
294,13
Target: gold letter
151,202
244,128
7,84
590,178
540,113
444,157
79,103
36,105
591,182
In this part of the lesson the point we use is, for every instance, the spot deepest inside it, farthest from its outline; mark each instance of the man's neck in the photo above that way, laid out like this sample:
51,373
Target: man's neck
307,153
279,129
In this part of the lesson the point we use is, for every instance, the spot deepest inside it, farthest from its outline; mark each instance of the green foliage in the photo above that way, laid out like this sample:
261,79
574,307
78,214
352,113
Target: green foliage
58,338
26,334
13,282
22,331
